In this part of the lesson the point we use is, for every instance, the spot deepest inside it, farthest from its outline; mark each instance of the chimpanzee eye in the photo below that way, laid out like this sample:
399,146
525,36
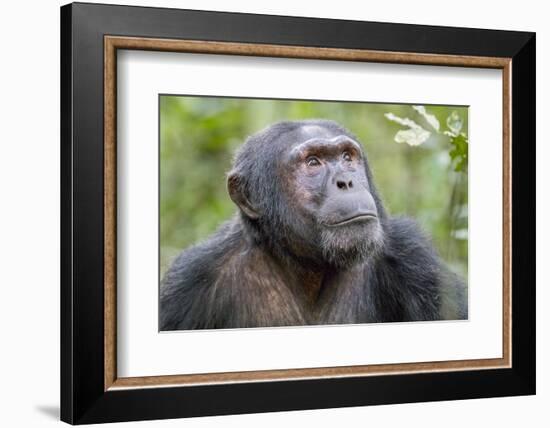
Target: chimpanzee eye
312,161
346,156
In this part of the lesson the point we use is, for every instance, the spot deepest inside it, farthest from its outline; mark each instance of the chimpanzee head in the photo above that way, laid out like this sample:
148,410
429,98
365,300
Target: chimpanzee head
305,190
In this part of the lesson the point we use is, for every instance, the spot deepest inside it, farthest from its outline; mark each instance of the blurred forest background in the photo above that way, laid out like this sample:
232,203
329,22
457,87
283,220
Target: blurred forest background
418,155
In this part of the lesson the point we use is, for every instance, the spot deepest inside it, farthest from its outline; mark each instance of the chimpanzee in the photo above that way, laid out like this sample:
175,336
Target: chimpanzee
311,244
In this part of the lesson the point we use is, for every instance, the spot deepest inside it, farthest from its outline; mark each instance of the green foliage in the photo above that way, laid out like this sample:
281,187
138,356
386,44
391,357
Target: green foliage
459,141
459,152
199,136
416,134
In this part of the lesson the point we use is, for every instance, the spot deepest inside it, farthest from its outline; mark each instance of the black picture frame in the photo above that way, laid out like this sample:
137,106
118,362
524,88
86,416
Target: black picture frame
83,396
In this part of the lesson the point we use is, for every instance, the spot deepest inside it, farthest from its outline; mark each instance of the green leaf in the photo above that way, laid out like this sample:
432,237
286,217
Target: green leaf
454,123
430,118
413,136
459,152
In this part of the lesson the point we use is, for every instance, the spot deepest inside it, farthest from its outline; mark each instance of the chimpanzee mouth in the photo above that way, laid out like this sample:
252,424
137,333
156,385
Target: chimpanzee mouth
360,217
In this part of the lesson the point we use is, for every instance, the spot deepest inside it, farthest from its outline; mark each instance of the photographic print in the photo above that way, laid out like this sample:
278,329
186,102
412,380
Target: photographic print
300,213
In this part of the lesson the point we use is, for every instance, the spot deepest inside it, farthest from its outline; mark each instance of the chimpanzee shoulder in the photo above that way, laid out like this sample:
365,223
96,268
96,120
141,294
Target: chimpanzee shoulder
227,282
411,275
187,287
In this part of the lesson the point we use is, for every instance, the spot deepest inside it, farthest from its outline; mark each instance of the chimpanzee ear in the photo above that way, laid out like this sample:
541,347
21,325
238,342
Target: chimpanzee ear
237,192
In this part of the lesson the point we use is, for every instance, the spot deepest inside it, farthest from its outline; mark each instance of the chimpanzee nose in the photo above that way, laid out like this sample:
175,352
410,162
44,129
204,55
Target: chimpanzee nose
344,184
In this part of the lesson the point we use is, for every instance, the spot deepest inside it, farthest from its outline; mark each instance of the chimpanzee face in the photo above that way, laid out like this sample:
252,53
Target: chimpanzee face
331,192
308,190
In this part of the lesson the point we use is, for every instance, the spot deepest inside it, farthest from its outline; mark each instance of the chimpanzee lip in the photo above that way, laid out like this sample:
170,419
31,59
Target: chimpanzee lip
357,217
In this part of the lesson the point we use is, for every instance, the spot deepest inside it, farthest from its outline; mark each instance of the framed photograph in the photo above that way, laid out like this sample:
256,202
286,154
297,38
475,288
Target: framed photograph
266,213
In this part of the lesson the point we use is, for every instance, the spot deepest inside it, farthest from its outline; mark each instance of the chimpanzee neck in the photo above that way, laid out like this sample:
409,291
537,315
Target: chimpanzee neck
306,276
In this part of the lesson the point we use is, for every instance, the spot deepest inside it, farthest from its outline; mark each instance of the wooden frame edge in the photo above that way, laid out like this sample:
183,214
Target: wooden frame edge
112,43
507,213
301,52
109,198
300,374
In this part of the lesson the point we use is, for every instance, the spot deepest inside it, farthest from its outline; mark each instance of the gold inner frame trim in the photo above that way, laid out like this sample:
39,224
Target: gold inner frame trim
113,43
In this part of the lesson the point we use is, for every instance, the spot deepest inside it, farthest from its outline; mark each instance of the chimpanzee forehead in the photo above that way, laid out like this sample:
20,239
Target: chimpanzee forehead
308,132
291,133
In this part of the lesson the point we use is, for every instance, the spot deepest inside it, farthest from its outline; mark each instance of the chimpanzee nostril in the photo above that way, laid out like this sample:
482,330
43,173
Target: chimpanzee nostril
342,185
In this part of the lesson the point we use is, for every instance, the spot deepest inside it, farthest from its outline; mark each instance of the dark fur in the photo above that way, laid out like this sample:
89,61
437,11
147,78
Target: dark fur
251,273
